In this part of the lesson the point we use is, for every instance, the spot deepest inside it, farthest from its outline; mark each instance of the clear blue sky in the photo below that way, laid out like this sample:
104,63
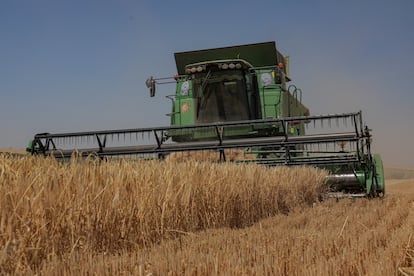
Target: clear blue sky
81,65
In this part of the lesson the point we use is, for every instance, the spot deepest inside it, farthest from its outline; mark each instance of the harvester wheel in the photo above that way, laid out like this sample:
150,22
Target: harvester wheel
379,176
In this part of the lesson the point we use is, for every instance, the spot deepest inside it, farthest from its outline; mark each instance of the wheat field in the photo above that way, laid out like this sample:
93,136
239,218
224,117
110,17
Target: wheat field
194,218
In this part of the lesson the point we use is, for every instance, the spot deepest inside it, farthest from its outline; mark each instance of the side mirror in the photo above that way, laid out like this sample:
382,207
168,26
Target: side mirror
150,83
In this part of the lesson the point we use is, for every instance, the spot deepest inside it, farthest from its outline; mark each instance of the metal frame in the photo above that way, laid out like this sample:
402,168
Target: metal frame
46,143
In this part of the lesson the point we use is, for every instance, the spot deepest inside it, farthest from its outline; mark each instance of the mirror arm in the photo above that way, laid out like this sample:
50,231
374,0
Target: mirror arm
151,82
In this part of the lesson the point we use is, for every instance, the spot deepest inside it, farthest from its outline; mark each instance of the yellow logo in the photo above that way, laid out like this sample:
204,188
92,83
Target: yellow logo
185,107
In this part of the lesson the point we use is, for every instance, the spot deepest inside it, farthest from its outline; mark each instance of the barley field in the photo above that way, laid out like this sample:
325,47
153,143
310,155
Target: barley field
194,218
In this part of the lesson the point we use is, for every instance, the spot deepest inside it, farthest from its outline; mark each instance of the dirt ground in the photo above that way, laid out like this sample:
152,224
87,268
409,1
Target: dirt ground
399,186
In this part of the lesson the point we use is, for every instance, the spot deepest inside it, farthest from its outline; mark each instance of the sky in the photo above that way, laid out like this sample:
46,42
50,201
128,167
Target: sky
79,65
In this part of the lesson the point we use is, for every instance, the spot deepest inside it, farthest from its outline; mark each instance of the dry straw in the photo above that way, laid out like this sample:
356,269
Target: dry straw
50,209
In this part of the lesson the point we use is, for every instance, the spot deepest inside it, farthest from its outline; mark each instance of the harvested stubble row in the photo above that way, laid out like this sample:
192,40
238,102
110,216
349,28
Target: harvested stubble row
51,209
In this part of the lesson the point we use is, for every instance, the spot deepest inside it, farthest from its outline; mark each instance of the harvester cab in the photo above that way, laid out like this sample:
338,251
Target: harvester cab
239,83
237,103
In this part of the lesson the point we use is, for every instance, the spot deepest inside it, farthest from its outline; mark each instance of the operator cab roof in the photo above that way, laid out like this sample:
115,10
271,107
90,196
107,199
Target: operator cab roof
258,55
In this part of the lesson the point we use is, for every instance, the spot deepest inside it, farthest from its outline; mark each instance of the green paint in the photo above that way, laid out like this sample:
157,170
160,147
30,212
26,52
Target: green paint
379,173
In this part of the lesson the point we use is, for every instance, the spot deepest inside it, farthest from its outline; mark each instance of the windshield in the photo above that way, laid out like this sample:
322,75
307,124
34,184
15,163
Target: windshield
221,96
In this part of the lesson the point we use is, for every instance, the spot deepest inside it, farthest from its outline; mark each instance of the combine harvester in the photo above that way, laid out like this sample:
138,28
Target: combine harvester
236,99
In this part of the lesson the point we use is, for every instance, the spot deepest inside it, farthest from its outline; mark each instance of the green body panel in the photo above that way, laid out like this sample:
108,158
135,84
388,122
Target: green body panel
183,106
361,176
271,96
369,181
379,169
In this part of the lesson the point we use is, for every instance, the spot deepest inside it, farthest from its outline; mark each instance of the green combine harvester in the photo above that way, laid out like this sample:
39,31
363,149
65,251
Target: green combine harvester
237,99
